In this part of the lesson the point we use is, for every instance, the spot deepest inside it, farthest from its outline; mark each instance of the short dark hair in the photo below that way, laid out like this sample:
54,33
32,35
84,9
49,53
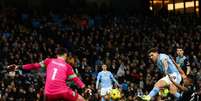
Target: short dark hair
152,50
60,51
180,47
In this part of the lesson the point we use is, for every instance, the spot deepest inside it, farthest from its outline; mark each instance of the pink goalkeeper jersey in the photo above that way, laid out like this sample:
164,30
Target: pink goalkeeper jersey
57,72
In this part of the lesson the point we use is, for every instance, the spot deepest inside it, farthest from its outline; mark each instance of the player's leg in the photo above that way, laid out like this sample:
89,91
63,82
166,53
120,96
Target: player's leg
103,94
158,85
172,87
102,98
173,91
108,93
107,97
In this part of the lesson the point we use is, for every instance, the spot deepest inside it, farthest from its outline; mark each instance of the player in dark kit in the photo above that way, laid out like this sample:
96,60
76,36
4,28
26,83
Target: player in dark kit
188,91
183,61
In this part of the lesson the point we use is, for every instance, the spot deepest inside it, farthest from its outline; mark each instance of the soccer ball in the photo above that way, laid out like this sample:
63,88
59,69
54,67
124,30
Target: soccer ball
115,94
164,92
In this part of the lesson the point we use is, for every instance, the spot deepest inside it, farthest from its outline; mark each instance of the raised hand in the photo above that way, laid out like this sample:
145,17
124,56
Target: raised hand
12,67
88,91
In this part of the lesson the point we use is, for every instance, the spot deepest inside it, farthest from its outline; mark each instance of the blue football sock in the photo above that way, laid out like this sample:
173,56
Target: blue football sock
154,91
177,95
102,98
110,99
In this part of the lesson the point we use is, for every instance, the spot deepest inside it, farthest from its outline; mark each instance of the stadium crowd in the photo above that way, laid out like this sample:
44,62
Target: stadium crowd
121,42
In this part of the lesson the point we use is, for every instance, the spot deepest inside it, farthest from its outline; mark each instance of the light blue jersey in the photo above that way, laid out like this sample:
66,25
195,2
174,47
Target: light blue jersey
171,66
105,78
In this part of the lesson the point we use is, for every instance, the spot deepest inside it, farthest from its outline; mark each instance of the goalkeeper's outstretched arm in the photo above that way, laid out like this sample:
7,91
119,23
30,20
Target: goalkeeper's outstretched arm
31,66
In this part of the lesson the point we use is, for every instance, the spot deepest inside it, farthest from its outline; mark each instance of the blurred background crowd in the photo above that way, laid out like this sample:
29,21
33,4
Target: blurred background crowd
121,42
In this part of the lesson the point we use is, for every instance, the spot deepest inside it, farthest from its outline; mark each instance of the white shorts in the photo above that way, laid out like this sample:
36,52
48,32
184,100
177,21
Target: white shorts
105,91
176,77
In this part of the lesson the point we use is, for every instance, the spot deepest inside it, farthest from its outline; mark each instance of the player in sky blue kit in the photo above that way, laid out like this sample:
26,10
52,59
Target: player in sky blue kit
166,66
105,79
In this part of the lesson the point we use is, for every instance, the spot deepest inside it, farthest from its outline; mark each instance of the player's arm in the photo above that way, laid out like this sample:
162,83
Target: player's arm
77,80
97,81
31,66
177,85
165,65
188,68
72,76
179,68
114,79
181,71
14,67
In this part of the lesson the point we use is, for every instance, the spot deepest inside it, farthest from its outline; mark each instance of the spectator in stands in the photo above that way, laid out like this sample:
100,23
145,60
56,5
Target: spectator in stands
94,40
